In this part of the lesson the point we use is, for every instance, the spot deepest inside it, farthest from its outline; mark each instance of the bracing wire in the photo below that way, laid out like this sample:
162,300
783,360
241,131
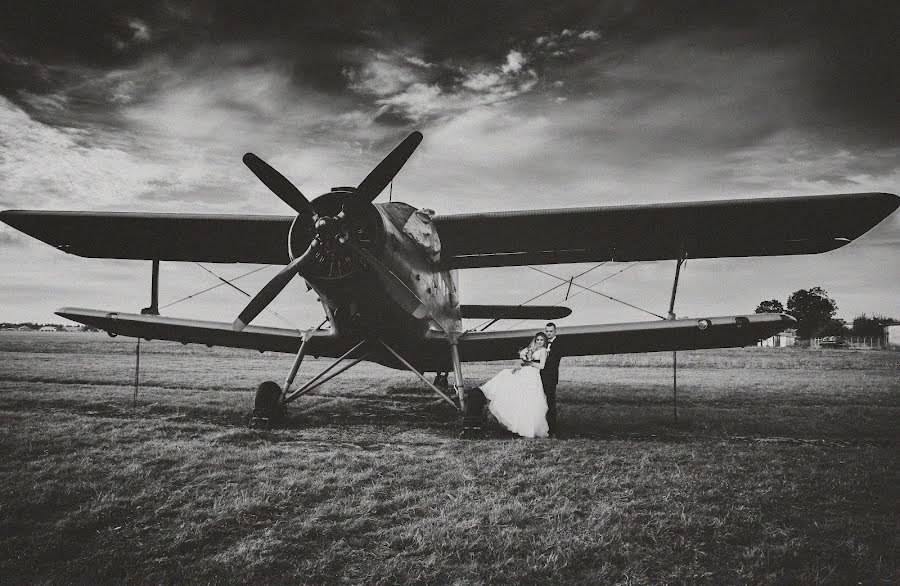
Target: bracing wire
236,288
224,281
216,286
610,297
606,278
551,289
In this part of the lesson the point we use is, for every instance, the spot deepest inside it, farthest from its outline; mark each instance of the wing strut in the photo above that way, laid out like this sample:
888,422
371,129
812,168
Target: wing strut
682,256
154,291
153,309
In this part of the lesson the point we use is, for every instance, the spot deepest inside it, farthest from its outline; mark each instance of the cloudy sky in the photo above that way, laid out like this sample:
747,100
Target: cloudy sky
149,107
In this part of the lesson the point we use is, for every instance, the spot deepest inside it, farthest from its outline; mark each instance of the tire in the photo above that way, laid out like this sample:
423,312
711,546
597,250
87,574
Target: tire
267,407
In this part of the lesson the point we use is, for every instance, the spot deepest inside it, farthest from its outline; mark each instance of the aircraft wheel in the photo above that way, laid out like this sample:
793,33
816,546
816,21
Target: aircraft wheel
473,418
267,407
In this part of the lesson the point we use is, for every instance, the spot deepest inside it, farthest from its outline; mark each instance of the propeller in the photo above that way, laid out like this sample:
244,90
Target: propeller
271,289
384,172
278,184
327,229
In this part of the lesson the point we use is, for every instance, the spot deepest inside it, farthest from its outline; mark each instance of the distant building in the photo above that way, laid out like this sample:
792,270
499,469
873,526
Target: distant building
47,329
24,329
892,335
72,328
785,339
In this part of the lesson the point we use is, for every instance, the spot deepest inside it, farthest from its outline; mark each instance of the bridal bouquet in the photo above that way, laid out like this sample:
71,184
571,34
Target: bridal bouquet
525,355
524,359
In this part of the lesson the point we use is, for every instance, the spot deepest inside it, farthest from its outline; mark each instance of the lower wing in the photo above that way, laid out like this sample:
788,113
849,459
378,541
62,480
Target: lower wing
651,336
433,354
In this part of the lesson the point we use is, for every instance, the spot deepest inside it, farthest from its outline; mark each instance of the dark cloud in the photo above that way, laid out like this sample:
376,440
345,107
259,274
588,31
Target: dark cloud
92,33
849,68
394,118
726,74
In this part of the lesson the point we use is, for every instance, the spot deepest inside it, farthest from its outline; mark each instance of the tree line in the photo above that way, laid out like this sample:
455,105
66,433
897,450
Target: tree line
814,311
6,325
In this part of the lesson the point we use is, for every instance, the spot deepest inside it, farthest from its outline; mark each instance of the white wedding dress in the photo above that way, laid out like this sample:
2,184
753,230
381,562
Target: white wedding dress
517,398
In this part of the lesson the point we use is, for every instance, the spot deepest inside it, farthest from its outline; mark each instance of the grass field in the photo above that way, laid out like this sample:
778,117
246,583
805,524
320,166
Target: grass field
782,468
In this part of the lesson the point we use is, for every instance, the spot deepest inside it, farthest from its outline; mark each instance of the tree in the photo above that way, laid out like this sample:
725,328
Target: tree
813,310
832,327
772,306
865,326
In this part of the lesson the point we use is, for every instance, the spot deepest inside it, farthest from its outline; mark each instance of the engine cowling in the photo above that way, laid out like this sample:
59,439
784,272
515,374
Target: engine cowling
349,217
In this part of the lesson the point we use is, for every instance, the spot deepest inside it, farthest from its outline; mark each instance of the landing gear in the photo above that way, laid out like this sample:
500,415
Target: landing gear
471,400
268,410
271,400
473,420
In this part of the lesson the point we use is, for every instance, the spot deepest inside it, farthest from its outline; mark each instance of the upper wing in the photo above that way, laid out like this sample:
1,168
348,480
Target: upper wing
188,237
707,229
758,227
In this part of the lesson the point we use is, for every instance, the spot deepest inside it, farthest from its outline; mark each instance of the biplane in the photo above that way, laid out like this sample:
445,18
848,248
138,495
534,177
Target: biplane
385,273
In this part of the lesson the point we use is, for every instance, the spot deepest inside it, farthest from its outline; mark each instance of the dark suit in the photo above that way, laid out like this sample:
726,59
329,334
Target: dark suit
550,377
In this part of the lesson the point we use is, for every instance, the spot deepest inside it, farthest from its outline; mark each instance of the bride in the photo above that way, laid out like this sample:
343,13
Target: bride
517,396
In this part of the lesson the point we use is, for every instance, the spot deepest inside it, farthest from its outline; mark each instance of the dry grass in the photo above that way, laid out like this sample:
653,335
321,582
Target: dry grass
783,468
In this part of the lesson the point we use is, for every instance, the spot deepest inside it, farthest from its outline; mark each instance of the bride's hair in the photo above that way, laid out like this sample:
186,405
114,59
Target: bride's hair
533,346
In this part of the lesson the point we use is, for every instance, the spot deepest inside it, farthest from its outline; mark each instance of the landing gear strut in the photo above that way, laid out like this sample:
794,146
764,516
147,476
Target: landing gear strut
271,401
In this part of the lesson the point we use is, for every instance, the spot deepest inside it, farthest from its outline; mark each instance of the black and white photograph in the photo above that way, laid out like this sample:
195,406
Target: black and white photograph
500,292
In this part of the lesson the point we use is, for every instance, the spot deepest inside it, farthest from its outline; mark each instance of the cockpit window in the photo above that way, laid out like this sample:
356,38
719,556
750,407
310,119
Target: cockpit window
398,213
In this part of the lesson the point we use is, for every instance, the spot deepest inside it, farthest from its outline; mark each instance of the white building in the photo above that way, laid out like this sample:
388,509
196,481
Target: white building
892,336
785,339
47,329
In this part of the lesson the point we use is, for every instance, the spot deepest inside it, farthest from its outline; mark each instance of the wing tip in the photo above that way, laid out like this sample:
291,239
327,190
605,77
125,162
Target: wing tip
70,312
788,320
891,201
9,218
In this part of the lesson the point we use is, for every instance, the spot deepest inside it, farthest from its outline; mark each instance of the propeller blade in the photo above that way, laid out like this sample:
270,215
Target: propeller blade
384,173
278,184
271,290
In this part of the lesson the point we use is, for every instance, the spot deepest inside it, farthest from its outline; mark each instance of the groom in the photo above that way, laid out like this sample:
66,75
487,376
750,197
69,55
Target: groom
550,373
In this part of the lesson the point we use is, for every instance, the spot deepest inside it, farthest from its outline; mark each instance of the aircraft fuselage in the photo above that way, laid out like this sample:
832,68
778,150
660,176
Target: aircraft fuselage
400,301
